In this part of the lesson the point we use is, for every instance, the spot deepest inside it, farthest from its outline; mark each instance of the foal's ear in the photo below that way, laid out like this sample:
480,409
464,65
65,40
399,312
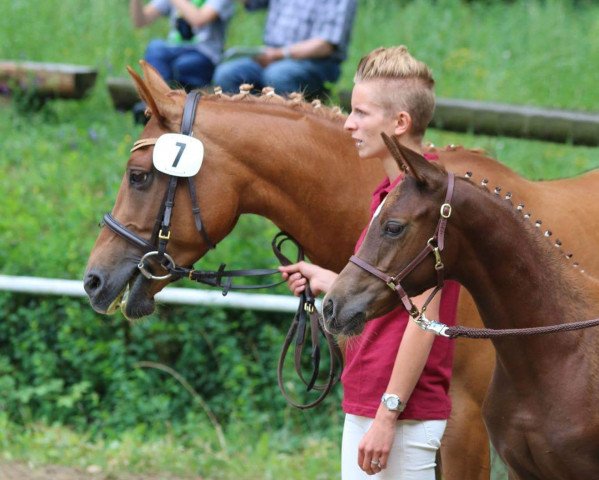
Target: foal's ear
409,161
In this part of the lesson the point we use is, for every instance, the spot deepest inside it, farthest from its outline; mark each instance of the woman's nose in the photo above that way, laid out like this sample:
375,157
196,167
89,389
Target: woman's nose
349,123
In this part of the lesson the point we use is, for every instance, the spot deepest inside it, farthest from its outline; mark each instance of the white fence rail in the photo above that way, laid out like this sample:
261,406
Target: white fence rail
185,296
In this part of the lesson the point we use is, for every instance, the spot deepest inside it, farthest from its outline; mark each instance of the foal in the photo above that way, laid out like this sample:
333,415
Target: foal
541,409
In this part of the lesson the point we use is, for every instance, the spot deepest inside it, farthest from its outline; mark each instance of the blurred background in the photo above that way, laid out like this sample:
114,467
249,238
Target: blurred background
72,391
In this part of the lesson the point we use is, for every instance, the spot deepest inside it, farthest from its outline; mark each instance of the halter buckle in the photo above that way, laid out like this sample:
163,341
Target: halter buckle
162,236
445,210
391,285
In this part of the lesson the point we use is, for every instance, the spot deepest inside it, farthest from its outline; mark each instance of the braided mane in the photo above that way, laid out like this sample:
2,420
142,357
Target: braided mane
520,211
295,100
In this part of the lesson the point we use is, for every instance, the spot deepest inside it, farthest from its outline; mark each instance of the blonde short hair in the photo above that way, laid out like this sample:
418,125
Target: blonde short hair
409,83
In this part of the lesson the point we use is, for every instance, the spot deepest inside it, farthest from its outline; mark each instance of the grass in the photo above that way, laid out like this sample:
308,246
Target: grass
61,168
184,454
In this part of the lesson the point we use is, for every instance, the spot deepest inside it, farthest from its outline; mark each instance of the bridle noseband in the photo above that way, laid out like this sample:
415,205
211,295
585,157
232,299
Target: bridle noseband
434,245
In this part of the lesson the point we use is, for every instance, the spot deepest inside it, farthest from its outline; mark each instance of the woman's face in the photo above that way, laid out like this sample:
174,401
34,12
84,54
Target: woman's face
368,119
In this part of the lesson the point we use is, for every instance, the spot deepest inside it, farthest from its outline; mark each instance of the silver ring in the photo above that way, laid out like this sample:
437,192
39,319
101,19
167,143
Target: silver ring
149,275
375,462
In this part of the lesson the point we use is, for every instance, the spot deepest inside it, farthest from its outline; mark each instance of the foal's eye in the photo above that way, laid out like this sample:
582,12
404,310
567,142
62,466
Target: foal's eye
393,229
139,179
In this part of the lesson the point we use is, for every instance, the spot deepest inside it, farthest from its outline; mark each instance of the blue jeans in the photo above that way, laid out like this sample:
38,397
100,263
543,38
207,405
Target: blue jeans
180,64
286,76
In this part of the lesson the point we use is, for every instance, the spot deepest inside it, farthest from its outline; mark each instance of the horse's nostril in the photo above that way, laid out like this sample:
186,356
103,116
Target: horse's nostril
92,283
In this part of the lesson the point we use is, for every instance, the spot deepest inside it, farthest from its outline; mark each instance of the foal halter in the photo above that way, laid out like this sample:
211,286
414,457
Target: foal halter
434,245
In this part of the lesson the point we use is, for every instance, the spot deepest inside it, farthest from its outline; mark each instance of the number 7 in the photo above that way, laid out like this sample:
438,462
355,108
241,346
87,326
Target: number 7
179,154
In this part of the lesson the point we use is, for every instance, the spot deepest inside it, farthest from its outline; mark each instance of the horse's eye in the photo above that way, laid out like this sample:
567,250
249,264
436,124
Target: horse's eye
393,229
139,179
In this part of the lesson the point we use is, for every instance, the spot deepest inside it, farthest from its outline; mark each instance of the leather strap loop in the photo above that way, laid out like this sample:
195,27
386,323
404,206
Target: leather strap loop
306,317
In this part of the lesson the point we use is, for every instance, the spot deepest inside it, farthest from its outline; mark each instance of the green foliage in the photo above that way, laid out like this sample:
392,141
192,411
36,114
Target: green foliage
62,164
62,363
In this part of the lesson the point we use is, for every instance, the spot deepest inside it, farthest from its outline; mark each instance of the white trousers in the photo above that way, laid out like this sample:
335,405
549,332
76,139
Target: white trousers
412,456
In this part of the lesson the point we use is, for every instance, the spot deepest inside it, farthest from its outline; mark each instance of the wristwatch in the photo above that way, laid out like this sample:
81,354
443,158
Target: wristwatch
392,402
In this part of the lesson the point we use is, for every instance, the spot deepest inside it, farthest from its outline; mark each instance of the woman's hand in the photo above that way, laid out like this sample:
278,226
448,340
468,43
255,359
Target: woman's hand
299,274
373,451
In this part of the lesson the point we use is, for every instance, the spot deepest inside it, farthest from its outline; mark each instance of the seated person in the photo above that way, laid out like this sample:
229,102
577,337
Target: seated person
305,43
194,46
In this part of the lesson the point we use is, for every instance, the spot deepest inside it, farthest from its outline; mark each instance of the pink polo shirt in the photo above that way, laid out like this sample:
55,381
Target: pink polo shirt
369,357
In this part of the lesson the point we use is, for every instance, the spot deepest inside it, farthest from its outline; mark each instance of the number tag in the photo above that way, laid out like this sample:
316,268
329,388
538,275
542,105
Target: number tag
178,155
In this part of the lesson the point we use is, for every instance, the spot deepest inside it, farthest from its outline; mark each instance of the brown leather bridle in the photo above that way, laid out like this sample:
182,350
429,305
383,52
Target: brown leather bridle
306,316
434,245
156,248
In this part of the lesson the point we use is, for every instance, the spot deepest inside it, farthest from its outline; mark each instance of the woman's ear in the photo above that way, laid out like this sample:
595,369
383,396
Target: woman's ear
403,123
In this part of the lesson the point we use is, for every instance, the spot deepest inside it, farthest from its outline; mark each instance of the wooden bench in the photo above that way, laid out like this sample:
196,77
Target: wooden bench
486,118
46,80
122,92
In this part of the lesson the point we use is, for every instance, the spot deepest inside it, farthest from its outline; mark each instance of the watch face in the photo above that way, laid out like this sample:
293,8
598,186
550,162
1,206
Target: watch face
392,403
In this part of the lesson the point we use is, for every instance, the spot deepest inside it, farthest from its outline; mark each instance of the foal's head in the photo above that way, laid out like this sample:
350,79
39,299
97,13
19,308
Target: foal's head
398,233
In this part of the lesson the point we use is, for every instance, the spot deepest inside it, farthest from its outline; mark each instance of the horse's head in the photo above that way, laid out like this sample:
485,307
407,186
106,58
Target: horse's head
399,244
112,278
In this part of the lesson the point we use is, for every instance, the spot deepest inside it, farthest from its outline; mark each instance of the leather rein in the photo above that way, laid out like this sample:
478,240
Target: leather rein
435,245
306,316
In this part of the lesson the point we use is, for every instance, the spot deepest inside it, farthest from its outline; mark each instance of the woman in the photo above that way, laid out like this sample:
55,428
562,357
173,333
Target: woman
396,376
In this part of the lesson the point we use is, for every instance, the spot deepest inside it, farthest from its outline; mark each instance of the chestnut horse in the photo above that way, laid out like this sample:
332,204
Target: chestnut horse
541,407
292,163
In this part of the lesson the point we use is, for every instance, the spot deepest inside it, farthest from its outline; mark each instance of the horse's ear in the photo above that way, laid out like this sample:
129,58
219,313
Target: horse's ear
155,92
392,147
153,78
409,161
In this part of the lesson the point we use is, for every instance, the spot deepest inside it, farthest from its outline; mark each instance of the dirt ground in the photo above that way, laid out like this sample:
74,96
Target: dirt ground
23,471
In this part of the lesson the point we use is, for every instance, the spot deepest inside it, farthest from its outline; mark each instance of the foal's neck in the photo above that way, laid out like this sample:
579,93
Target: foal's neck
517,277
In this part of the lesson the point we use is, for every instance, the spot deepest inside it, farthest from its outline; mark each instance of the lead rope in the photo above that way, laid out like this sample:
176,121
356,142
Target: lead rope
306,314
490,333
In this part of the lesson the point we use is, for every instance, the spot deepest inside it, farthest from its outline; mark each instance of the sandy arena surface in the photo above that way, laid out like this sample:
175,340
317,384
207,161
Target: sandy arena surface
23,471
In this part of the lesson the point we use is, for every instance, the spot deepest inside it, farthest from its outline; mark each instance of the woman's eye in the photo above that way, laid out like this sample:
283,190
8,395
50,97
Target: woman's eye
393,229
139,179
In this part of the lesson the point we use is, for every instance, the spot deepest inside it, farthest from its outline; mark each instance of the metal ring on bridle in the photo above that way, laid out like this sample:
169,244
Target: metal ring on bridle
149,275
445,210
